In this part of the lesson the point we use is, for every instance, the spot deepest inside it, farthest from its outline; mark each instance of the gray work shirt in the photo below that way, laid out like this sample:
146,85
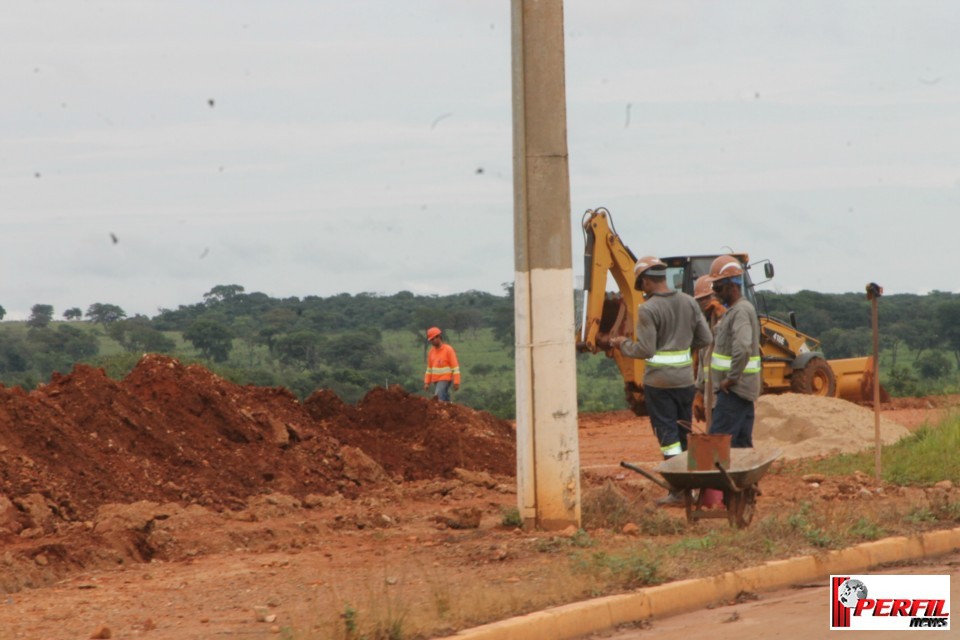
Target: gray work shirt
667,324
737,350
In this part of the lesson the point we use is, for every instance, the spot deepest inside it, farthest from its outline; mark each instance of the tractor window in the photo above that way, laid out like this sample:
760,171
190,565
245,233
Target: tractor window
748,291
698,267
675,278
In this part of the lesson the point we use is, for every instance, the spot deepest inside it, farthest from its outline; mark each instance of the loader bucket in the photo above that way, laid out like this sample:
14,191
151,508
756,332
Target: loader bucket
854,378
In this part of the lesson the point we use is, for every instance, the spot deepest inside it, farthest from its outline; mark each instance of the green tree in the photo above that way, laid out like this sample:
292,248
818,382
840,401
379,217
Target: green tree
77,343
919,334
58,350
222,293
300,348
40,316
396,319
948,326
933,366
847,343
3,312
212,339
504,329
430,316
354,350
465,319
276,322
14,355
891,340
137,336
105,313
73,313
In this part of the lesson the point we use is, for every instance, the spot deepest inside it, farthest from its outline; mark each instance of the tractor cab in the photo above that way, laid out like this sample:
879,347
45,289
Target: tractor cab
683,271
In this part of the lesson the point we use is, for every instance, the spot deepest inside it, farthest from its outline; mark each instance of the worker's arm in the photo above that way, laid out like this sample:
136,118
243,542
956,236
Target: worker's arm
742,338
702,335
455,365
644,344
427,377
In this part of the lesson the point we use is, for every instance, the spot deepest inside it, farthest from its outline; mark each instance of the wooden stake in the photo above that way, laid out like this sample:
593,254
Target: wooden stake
874,291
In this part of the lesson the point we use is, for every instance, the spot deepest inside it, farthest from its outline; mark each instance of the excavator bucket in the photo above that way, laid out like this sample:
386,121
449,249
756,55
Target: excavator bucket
854,378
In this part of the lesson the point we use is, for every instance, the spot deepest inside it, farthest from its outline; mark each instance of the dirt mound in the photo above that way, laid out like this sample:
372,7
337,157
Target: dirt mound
413,438
803,425
175,433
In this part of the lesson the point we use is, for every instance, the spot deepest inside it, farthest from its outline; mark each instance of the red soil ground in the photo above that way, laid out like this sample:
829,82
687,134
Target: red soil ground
187,479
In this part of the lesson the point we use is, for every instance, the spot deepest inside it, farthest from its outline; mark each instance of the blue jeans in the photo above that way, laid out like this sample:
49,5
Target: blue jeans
734,416
442,390
665,407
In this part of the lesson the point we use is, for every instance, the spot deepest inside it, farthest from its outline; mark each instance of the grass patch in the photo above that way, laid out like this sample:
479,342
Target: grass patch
923,458
608,507
629,569
511,518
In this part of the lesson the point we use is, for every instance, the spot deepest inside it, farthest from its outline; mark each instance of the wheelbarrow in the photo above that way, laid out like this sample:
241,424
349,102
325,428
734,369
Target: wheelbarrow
738,483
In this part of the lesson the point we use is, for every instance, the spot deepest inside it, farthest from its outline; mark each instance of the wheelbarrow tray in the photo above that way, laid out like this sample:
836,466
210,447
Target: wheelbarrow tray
747,466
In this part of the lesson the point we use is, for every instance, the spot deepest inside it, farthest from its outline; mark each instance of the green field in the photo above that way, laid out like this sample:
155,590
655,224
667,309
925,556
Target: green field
487,366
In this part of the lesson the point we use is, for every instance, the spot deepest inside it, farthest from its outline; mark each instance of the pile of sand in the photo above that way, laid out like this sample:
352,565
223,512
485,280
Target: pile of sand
803,426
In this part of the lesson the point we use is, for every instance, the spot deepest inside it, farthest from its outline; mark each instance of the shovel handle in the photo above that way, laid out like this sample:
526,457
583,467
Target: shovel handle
686,424
646,474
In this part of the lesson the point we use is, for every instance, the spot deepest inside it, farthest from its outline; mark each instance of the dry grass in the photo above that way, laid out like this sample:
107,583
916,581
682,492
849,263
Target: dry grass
427,599
498,573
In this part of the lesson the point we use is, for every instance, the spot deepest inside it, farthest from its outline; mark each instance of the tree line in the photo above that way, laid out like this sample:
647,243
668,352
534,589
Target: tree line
304,344
336,342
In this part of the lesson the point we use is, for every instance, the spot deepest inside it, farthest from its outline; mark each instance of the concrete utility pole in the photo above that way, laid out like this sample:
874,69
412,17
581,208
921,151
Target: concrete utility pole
548,453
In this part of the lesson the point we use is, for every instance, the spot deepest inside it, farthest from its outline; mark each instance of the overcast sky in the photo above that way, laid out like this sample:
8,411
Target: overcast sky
152,150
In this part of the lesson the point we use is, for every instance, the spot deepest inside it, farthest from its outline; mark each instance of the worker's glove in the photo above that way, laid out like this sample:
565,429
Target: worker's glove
699,410
617,343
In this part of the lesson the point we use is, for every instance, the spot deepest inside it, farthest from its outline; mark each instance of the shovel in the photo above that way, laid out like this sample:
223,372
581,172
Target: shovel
689,426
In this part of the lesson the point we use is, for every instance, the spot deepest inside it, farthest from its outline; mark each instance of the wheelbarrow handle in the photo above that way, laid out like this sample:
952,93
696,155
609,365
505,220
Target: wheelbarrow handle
646,474
729,479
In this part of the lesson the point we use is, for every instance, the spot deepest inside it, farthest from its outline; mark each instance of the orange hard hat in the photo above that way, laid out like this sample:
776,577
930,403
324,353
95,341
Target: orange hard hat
433,332
655,266
703,287
724,267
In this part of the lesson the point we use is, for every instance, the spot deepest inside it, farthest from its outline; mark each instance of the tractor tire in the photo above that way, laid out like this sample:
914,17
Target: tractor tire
815,379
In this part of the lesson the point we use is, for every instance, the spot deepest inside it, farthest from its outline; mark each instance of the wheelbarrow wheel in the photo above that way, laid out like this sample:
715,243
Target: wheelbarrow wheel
741,506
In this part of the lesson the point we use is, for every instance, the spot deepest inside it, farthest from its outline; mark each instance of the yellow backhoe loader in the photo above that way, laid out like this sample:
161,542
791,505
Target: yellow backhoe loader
792,361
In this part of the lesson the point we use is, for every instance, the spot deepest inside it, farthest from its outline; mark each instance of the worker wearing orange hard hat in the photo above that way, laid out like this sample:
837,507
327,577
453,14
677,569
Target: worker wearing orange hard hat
735,366
669,326
712,310
443,369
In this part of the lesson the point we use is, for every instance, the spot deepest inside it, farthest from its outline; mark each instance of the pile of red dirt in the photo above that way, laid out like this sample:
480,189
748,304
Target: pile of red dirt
415,439
175,433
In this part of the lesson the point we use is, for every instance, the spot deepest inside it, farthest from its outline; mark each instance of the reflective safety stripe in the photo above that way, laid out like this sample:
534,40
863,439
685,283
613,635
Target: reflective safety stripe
670,359
722,363
439,371
671,450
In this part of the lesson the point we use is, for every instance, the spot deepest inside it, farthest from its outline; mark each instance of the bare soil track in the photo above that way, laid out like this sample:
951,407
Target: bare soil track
175,504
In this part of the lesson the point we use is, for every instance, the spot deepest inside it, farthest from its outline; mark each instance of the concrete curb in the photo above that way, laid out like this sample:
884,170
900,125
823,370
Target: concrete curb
582,618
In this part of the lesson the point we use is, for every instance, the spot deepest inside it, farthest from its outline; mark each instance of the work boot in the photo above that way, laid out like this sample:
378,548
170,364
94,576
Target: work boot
672,499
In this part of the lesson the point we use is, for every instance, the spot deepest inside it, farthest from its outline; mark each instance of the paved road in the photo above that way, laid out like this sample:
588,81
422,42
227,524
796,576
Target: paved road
794,614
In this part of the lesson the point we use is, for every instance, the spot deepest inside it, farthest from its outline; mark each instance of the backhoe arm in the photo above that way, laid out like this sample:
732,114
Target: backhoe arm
605,253
606,316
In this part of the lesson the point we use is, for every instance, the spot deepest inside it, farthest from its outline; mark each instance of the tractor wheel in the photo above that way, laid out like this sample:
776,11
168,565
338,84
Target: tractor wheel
815,379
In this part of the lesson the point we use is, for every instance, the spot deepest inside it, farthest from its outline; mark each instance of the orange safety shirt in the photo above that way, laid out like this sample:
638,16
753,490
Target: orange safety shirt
442,365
